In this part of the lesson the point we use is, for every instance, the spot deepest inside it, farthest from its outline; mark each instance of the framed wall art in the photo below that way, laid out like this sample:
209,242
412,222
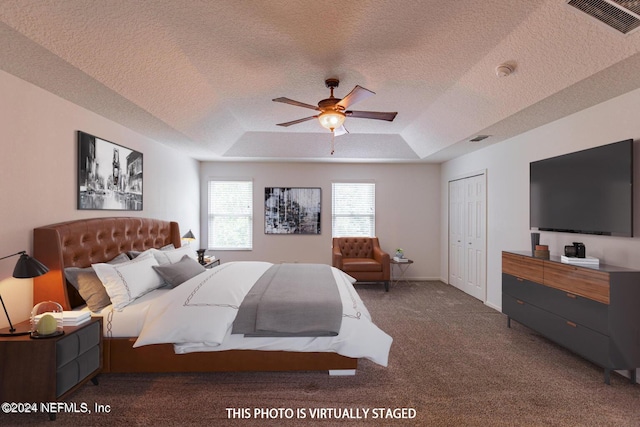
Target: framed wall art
109,175
290,210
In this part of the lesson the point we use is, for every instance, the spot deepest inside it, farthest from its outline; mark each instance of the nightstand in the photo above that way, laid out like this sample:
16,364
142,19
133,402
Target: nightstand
212,263
50,369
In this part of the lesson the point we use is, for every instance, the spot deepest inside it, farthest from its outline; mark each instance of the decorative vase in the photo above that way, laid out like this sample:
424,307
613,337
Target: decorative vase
535,240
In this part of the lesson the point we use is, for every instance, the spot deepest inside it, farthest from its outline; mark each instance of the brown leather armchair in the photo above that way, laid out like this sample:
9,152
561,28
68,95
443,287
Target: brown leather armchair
362,258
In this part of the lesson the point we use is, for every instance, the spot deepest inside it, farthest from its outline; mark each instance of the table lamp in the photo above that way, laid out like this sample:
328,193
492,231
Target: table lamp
25,268
189,237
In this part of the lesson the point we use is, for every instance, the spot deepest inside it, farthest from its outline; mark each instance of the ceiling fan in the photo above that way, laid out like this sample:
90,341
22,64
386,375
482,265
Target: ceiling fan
333,111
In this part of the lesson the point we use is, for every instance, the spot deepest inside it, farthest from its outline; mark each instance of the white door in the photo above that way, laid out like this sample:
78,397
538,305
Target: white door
467,235
456,234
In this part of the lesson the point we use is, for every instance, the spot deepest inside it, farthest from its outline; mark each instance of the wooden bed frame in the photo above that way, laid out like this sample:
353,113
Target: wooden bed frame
83,242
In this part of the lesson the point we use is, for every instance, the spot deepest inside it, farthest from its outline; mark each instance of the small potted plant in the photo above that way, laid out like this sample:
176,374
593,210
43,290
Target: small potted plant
399,253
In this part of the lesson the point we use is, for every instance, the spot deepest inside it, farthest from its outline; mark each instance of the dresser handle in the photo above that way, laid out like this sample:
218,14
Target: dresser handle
520,302
571,295
573,325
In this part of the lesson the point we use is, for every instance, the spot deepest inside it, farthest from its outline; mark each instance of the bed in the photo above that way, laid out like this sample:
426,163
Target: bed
129,347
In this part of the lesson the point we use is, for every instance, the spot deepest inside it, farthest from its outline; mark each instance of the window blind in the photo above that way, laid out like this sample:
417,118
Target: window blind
353,209
230,215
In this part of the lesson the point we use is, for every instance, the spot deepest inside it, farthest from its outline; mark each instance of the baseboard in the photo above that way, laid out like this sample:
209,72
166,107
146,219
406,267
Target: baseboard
422,279
495,307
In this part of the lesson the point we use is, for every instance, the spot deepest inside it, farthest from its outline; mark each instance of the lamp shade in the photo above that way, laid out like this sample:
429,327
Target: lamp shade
331,119
28,267
189,236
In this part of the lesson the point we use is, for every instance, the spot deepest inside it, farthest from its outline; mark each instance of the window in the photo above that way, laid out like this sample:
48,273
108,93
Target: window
230,215
353,209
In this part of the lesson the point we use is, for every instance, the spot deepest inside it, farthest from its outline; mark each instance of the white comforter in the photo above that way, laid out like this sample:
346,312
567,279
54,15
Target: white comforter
198,315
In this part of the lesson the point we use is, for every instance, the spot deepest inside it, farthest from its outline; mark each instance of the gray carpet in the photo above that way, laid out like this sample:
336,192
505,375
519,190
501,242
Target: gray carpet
453,361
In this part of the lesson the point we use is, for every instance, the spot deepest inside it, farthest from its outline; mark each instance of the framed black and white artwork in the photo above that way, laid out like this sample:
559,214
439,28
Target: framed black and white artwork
290,210
109,175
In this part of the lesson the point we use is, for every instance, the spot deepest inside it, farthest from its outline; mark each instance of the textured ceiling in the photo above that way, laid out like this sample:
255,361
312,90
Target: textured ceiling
200,76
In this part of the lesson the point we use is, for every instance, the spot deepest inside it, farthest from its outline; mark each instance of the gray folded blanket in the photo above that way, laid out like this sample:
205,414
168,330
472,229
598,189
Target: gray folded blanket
291,300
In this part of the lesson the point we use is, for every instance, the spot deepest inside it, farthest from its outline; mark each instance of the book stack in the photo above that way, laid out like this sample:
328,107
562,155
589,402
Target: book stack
541,251
398,259
70,318
74,318
586,261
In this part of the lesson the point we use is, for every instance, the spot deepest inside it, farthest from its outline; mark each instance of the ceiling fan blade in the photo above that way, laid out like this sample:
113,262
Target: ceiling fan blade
295,122
377,115
356,95
340,131
296,103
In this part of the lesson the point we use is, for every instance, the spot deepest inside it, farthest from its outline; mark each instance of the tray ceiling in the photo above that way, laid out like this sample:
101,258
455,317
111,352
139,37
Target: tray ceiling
200,76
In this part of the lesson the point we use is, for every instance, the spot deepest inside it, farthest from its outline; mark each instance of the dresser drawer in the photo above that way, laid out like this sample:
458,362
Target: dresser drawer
586,282
522,266
580,310
72,346
77,369
524,289
586,342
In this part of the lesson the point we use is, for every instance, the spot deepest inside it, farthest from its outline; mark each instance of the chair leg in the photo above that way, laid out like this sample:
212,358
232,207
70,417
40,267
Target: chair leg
386,286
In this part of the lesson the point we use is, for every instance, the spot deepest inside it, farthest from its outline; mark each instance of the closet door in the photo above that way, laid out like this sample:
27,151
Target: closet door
456,233
467,235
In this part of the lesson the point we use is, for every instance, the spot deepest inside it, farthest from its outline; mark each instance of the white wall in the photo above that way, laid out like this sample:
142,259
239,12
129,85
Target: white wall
39,166
407,210
507,165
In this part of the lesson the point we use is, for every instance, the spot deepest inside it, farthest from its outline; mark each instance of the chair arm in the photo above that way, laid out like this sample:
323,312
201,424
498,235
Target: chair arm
383,258
336,257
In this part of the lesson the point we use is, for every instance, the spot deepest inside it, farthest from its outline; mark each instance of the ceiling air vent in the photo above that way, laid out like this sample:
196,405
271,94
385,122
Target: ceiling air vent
621,15
479,138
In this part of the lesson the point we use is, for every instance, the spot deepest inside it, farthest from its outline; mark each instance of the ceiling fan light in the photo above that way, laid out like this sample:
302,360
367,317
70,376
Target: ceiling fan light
331,119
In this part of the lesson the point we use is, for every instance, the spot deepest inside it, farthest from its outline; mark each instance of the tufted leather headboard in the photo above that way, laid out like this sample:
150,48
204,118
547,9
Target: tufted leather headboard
87,241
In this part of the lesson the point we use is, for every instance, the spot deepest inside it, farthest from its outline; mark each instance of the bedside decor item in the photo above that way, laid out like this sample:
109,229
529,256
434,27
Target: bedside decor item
541,251
570,251
26,268
581,251
399,254
200,253
47,320
289,210
109,175
535,240
575,250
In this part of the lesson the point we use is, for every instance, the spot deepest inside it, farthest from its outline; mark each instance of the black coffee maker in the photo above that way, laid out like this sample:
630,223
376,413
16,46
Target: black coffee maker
577,250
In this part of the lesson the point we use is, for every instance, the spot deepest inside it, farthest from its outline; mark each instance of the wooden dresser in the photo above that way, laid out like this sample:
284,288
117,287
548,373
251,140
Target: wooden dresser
594,312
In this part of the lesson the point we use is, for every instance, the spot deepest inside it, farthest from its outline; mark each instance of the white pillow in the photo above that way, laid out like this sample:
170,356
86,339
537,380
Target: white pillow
129,280
171,256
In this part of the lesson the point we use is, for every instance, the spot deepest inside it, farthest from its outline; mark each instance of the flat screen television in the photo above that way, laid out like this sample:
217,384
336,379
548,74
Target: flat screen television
587,192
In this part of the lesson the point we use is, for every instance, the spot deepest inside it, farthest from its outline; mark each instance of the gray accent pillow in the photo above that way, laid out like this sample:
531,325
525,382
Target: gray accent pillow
89,286
71,273
134,254
179,272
